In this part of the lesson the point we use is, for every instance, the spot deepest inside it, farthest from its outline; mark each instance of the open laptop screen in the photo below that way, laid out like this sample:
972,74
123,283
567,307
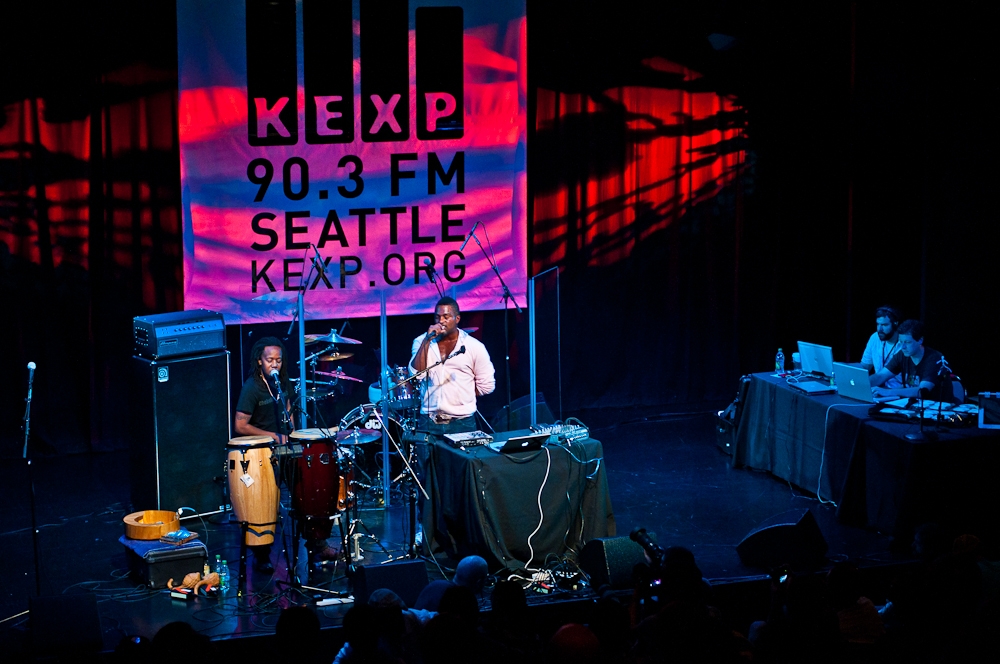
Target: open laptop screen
816,359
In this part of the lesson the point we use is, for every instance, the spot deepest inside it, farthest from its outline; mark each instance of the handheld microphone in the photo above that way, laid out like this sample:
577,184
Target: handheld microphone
320,265
430,269
469,236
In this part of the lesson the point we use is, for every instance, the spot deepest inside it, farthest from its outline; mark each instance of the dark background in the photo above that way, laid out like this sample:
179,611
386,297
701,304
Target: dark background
868,173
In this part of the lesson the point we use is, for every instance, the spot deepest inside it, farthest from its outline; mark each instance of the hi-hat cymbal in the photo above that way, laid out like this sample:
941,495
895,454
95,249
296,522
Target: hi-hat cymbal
333,357
332,338
357,436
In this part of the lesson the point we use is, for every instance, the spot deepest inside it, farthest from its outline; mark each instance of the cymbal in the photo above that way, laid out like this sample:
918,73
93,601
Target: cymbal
357,436
333,357
332,338
340,375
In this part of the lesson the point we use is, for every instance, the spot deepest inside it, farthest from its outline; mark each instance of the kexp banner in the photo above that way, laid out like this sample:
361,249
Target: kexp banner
369,136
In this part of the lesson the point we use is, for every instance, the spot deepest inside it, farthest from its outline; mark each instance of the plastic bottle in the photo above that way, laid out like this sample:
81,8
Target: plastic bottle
224,576
779,362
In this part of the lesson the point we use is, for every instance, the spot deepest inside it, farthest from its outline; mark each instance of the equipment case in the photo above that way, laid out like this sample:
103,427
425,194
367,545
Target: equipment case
155,562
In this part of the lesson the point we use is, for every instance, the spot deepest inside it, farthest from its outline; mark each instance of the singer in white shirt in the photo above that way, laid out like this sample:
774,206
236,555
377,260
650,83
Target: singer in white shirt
450,389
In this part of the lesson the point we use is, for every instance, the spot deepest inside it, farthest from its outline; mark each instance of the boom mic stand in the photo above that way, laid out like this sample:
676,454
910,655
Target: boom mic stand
31,478
409,475
507,298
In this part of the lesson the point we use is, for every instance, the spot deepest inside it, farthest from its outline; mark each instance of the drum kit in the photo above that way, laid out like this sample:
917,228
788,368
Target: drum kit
330,471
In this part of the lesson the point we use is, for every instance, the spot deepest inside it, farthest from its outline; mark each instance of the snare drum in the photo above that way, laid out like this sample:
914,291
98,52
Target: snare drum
252,487
315,484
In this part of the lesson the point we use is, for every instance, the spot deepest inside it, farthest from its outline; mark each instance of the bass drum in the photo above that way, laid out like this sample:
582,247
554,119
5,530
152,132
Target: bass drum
368,456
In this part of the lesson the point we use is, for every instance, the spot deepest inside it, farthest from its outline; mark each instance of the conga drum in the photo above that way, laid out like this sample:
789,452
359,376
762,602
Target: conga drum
315,484
252,487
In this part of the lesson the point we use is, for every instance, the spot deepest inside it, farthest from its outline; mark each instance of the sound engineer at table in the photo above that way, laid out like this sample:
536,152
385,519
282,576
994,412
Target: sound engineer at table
919,367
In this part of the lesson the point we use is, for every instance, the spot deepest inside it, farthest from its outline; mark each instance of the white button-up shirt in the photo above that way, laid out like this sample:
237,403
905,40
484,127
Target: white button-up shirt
451,388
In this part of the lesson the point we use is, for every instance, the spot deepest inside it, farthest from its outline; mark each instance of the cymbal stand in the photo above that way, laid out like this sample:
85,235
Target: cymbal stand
410,480
350,536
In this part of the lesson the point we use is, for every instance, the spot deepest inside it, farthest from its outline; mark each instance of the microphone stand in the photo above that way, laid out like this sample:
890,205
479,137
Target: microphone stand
507,298
409,473
31,485
922,436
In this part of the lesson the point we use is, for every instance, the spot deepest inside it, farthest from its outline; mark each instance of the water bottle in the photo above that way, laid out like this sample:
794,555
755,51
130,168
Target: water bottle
779,362
224,576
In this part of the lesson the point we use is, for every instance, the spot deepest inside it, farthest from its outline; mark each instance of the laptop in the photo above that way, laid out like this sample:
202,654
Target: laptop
816,359
812,387
519,440
852,382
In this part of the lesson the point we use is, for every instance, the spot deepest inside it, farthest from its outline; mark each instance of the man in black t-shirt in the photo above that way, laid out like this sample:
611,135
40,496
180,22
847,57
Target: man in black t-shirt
918,366
260,411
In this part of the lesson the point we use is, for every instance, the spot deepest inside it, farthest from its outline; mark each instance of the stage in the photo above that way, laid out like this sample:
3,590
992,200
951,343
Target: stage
664,473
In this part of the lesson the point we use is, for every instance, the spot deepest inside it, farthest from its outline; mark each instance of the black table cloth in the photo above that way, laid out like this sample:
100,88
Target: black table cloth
486,503
829,446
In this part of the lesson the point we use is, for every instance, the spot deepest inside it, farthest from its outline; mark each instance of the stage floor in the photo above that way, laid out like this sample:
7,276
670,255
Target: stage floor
665,474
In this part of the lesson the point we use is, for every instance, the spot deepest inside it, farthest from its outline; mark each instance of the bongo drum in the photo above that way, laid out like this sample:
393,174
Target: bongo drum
316,483
252,487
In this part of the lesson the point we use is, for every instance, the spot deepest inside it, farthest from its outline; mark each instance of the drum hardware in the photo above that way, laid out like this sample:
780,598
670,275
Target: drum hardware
410,480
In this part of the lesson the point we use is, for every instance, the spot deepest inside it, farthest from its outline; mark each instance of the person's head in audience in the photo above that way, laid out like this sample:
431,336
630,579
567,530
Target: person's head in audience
574,644
461,602
297,635
361,631
446,638
180,636
680,577
472,573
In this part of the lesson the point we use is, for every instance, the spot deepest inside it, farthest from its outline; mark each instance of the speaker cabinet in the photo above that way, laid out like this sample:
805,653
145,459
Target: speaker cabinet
406,579
180,429
791,537
520,414
609,561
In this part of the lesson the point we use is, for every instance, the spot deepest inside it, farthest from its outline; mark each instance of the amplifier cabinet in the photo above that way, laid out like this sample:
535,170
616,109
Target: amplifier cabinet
180,428
178,333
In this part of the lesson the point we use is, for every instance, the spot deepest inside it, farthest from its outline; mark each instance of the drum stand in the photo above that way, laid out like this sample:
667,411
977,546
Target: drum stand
409,480
350,534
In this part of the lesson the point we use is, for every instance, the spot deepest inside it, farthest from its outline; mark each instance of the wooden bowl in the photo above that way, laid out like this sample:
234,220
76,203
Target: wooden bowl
151,524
